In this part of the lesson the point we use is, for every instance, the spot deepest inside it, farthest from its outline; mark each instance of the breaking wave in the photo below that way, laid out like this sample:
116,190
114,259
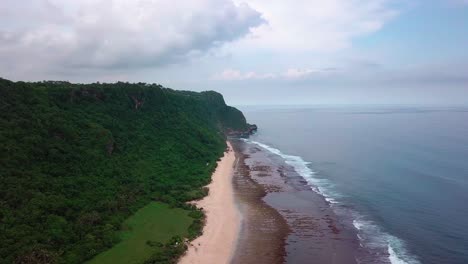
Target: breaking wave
370,235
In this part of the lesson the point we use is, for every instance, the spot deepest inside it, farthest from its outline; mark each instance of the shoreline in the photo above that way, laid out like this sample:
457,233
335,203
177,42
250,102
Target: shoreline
263,234
285,221
259,210
218,242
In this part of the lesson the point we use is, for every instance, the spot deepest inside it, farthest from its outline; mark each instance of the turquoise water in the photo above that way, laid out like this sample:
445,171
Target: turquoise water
403,172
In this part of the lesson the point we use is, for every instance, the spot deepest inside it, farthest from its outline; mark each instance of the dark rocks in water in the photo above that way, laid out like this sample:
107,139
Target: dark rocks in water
250,130
253,128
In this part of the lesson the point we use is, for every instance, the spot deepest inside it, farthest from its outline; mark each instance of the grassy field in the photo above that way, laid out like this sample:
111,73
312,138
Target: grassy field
154,222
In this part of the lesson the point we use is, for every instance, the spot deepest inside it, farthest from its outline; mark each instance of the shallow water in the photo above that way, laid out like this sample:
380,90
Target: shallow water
400,175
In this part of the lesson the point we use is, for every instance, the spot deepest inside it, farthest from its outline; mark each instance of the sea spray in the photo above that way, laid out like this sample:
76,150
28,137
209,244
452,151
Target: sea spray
302,168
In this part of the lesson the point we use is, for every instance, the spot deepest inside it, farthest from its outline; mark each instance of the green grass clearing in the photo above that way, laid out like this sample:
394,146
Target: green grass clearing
154,222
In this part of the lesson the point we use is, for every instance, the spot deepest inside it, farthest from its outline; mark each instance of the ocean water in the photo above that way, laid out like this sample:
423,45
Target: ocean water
399,173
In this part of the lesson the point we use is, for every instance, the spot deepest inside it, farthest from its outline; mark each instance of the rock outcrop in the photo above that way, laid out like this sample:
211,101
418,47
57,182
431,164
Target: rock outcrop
250,130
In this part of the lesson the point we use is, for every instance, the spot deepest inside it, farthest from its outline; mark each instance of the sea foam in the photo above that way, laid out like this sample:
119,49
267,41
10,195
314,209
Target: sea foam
370,234
321,186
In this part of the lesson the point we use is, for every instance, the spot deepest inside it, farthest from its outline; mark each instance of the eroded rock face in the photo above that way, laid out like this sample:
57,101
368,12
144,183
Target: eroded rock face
138,102
250,130
253,129
110,147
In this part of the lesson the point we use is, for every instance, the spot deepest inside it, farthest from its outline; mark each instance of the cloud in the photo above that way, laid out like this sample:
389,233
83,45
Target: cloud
316,25
295,73
357,73
116,34
236,75
289,74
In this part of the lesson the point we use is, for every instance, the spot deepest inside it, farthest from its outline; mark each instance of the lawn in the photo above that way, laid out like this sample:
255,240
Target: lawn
154,222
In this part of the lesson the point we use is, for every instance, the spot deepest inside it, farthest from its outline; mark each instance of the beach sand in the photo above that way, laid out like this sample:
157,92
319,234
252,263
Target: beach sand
219,239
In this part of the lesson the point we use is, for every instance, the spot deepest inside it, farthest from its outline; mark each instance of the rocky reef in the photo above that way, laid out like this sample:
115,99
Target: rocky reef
245,133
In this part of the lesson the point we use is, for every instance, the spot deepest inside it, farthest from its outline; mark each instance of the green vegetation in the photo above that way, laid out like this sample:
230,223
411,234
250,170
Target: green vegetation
77,160
149,228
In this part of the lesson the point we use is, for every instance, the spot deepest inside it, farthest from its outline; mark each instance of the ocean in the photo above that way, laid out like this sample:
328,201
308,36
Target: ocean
398,174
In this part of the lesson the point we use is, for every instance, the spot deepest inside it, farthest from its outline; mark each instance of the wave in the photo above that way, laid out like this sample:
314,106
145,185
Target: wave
321,186
370,235
373,238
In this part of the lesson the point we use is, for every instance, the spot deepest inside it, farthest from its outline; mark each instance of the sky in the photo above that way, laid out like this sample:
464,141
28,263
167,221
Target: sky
255,52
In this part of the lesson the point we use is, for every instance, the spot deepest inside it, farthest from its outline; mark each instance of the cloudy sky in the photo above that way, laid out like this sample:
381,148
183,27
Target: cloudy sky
253,51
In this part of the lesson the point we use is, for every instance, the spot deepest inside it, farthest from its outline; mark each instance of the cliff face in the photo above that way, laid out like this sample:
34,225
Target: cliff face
71,152
232,121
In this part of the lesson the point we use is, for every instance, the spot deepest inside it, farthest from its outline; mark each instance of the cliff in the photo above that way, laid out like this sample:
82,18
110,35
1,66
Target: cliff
77,159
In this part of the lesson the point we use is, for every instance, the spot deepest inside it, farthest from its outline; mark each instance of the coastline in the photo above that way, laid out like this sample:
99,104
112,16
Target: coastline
218,242
259,211
284,220
263,234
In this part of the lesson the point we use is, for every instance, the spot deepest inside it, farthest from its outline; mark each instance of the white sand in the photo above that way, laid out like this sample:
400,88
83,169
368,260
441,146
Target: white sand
218,242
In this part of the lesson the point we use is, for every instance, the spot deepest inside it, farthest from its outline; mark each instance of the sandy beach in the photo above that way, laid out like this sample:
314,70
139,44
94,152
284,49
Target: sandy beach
219,239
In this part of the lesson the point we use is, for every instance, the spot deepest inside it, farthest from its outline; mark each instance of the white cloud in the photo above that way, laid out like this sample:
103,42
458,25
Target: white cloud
115,34
298,73
90,39
316,25
236,75
289,74
295,73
